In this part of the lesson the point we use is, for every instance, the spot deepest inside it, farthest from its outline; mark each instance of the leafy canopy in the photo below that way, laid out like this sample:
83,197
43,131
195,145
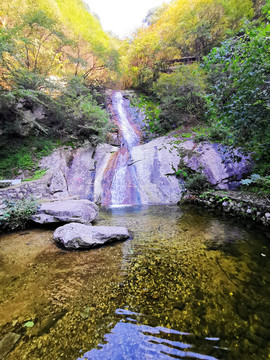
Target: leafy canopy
239,72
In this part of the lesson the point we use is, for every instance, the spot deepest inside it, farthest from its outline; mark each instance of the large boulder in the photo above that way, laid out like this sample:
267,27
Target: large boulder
223,167
80,236
81,211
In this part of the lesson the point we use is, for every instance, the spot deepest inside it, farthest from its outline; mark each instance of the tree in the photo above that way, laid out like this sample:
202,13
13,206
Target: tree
182,28
239,72
182,96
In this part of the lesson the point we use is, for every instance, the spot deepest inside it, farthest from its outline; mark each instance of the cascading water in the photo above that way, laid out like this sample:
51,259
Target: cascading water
120,184
128,132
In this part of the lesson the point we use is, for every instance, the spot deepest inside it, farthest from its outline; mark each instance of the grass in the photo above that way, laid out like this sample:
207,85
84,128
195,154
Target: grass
17,155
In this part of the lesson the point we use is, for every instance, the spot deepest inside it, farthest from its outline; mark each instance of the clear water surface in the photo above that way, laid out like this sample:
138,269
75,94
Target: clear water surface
189,285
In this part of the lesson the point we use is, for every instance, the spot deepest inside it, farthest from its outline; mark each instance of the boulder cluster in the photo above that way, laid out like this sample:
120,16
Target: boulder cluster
78,232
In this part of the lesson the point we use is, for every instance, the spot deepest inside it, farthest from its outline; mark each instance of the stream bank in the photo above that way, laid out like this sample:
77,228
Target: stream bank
238,204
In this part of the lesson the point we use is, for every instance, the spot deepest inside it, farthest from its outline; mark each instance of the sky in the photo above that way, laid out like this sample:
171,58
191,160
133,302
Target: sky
122,17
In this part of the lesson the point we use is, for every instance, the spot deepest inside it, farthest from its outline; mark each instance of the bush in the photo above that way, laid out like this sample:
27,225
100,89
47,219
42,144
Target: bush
80,113
197,183
240,92
69,110
23,154
151,111
181,95
258,184
18,213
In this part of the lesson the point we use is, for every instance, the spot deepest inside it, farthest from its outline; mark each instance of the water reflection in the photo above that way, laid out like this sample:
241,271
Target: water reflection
133,341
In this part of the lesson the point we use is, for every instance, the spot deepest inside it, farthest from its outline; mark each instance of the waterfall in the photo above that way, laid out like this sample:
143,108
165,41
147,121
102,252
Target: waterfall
127,130
120,183
135,174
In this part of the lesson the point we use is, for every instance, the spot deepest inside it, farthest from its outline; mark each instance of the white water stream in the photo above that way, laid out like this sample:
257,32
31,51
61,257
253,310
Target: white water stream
130,138
123,188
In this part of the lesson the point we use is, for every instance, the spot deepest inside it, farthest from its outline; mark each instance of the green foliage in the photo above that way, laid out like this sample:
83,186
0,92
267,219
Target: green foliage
18,213
29,324
219,133
202,134
240,92
151,110
74,109
214,133
79,112
181,95
186,135
37,174
39,95
181,29
183,171
23,154
258,184
197,183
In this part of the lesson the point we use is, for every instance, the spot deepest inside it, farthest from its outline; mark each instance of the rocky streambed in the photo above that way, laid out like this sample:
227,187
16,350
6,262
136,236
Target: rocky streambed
189,284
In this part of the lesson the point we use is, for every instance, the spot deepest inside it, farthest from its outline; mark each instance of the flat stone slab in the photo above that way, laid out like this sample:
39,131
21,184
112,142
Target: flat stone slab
81,211
80,236
7,343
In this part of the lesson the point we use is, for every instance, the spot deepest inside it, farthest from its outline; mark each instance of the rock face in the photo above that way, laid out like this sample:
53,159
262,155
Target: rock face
223,168
77,171
81,211
79,236
153,164
81,171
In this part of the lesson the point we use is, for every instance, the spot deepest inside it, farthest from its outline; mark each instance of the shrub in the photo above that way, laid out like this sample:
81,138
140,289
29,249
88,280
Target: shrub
18,213
257,183
181,95
240,92
197,183
151,111
23,154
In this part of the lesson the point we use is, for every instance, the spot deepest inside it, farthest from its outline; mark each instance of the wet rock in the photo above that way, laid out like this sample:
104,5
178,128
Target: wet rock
7,343
153,164
242,311
113,139
262,331
81,211
79,236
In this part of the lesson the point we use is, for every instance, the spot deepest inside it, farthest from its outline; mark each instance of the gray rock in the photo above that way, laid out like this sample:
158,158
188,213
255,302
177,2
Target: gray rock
81,211
7,343
79,236
86,172
58,185
218,163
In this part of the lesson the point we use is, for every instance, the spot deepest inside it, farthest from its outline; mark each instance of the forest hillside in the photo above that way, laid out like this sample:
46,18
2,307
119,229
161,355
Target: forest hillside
199,68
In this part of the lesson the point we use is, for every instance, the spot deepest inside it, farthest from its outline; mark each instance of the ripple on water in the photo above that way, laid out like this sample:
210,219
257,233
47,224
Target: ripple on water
131,340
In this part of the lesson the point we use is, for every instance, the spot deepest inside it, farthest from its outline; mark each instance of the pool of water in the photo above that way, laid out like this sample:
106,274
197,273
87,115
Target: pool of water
189,285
